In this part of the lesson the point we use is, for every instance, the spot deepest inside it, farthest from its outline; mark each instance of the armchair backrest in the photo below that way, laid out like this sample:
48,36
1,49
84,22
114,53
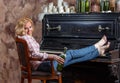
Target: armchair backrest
23,53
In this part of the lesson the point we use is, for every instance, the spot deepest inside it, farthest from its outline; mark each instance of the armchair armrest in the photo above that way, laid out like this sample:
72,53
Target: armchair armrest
39,59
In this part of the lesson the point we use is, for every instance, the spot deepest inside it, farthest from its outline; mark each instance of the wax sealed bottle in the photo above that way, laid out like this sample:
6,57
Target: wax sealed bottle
63,55
95,7
118,6
112,5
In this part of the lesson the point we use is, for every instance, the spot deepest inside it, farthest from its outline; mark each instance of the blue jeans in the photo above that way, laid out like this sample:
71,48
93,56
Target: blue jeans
80,55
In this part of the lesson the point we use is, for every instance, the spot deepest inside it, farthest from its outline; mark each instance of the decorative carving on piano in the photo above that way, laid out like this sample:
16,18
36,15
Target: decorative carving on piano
114,70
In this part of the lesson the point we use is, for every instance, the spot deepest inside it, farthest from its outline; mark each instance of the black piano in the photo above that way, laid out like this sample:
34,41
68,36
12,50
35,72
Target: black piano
75,31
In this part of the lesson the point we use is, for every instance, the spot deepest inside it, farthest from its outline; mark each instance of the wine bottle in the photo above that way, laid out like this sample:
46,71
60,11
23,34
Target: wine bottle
87,5
78,6
63,55
82,3
102,6
107,4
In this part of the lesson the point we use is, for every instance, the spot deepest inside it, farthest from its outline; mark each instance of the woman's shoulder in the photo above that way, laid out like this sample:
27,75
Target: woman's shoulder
25,37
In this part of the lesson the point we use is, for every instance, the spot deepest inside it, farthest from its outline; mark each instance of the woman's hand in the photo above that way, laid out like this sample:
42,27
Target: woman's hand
57,58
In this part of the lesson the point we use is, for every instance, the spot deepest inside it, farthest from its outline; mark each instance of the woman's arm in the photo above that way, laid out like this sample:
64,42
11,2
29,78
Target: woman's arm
56,57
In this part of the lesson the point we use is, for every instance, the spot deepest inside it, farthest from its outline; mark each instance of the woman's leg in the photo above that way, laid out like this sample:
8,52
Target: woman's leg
45,66
89,56
88,53
80,52
74,56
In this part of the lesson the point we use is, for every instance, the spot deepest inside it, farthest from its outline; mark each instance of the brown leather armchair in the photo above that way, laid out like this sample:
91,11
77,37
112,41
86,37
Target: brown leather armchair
26,71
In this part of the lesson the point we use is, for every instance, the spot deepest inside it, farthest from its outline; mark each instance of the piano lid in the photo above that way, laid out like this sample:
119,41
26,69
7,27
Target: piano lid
76,31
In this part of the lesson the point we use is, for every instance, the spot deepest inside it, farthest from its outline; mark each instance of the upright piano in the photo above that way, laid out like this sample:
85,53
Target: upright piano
75,31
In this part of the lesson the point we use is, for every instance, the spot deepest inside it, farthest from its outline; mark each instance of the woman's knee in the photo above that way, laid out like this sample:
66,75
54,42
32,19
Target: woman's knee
69,54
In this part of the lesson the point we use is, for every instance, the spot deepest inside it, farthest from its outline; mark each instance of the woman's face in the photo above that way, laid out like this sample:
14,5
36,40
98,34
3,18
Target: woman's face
28,28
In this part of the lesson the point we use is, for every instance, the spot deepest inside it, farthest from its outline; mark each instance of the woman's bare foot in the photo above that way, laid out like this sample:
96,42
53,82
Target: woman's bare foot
101,42
103,48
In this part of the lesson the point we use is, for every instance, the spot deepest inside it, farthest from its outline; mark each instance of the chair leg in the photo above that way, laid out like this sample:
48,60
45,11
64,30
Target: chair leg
60,79
29,80
22,80
44,81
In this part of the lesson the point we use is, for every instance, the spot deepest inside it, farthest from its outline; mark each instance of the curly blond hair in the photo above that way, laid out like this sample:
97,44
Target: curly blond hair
19,28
